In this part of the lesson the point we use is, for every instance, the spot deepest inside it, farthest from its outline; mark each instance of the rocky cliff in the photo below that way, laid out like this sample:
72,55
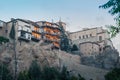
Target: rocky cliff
26,52
108,59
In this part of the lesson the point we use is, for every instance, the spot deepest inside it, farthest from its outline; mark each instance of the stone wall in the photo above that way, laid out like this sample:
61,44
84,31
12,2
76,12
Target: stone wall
108,59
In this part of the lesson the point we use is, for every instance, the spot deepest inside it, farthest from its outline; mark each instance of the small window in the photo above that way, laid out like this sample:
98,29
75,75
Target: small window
79,37
6,31
100,38
86,36
83,36
28,36
90,35
21,28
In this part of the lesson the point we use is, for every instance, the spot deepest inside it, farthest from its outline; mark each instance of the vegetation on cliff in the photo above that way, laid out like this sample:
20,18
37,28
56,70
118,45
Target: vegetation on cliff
64,40
47,73
113,75
3,40
35,72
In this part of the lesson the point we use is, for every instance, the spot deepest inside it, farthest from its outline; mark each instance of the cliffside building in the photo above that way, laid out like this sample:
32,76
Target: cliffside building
50,32
27,30
91,40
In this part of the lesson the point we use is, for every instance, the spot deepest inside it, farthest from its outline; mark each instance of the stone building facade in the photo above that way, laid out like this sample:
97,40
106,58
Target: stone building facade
3,29
27,30
91,40
89,48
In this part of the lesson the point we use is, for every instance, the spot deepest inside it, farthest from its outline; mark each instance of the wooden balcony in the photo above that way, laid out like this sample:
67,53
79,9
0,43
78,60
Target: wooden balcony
35,39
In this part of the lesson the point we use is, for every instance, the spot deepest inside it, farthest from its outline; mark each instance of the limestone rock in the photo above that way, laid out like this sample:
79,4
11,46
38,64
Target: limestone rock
54,58
108,59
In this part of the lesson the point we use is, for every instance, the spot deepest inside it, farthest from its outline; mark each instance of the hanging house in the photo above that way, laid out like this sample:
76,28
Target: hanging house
50,32
27,30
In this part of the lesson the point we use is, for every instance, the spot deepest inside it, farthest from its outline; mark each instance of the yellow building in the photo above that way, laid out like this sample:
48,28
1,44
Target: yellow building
50,32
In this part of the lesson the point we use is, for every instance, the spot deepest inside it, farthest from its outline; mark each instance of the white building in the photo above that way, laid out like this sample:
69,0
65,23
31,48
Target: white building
22,28
85,38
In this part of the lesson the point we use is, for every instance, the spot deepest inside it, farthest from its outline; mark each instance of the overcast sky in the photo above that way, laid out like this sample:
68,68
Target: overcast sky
77,14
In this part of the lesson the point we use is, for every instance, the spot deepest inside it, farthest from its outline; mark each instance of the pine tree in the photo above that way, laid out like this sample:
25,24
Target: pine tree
23,75
12,36
113,75
12,32
34,71
64,41
5,73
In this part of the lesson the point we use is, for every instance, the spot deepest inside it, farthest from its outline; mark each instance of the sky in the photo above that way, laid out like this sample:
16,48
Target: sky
77,14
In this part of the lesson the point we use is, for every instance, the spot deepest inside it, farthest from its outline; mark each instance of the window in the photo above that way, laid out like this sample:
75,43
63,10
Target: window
27,30
86,36
23,34
1,24
79,37
83,36
28,36
90,35
6,31
100,38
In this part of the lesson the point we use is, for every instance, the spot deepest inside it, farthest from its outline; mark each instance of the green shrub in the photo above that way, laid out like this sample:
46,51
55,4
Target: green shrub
5,73
34,71
74,48
113,75
23,76
47,73
3,39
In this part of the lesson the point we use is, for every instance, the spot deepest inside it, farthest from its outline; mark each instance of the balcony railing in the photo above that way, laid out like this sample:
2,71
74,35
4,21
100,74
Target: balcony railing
56,34
35,38
23,38
37,31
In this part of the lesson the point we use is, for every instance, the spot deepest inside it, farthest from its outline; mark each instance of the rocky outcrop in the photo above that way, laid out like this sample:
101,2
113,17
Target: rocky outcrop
108,59
54,58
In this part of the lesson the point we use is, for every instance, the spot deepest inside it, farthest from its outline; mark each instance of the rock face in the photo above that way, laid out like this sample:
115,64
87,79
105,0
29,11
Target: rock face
56,58
108,59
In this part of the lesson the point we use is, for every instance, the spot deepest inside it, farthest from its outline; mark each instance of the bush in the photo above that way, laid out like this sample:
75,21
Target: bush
34,71
23,76
3,39
113,75
5,73
74,48
48,73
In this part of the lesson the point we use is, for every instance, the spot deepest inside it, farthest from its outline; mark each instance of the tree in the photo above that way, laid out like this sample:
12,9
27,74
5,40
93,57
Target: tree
50,73
114,6
64,41
113,75
12,36
5,73
23,76
12,32
74,48
34,71
3,39
64,75
47,73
